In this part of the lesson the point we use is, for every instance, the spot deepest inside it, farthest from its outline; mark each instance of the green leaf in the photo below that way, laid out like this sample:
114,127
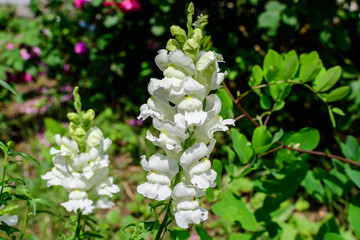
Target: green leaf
332,118
47,203
265,102
328,79
217,166
261,140
354,214
111,20
307,138
269,19
202,233
241,146
7,86
338,111
329,226
354,176
96,3
227,103
275,6
241,236
179,234
313,186
291,65
31,237
233,209
273,66
24,155
332,236
191,48
310,66
337,94
256,76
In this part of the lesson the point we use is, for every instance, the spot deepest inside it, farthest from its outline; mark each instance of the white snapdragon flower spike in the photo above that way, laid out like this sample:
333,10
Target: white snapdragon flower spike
186,117
83,173
6,218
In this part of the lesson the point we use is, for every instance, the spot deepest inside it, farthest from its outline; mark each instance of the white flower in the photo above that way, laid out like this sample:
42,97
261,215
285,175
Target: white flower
6,218
186,206
196,165
82,172
79,200
161,170
177,60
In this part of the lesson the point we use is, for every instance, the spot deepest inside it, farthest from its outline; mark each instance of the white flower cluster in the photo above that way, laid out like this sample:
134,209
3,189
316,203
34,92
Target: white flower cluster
184,113
6,218
83,174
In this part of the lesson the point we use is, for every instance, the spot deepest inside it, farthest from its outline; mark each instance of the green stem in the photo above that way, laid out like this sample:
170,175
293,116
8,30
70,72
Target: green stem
164,222
78,226
25,221
4,170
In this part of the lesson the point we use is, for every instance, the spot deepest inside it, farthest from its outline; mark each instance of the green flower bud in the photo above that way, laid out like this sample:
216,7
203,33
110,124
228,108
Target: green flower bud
172,45
191,48
179,34
73,117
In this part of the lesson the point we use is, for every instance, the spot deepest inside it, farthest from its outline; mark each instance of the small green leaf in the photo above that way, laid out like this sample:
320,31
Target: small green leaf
310,66
261,140
354,214
179,234
328,79
307,138
256,76
31,237
291,65
24,155
273,66
202,233
354,176
337,94
233,209
332,236
338,111
47,203
332,118
227,103
96,3
265,102
179,34
241,146
7,86
111,21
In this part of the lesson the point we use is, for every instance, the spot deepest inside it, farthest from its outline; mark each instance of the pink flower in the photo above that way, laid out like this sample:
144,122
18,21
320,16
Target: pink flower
81,48
24,54
28,77
66,68
80,3
36,51
109,3
10,46
128,6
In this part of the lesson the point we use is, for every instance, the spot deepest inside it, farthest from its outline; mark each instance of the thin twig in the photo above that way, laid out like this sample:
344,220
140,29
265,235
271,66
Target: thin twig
270,151
240,107
239,117
237,103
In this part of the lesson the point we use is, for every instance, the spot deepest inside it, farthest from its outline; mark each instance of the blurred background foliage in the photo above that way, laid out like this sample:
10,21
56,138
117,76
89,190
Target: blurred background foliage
109,51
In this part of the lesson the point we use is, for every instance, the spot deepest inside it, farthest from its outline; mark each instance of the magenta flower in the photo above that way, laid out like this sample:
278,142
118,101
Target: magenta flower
28,77
10,46
66,68
24,54
36,51
80,3
128,6
80,48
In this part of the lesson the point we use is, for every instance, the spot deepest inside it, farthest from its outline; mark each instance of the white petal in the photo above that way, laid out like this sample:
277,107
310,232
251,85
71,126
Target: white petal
194,153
